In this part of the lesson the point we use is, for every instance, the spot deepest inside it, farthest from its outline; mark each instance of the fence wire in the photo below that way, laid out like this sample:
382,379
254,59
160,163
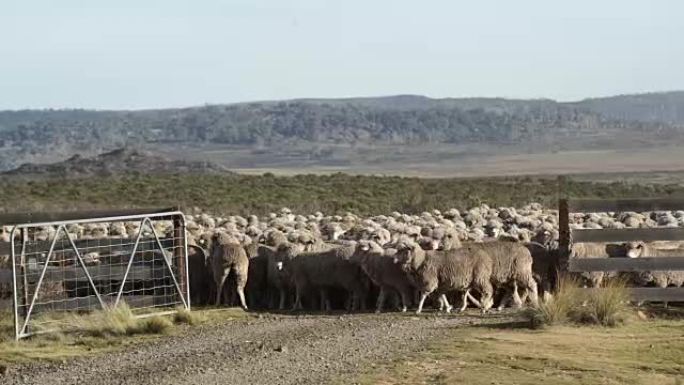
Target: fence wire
80,266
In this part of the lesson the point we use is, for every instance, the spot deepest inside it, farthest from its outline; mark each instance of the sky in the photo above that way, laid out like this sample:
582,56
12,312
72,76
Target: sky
135,54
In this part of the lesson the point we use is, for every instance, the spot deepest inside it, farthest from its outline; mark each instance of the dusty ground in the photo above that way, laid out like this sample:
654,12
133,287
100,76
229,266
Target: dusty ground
265,349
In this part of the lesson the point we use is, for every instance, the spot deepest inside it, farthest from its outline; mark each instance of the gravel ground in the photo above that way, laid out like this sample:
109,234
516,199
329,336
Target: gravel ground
266,349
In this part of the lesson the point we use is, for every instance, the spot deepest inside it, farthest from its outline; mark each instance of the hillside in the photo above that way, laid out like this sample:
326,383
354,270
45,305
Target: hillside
114,163
622,122
665,107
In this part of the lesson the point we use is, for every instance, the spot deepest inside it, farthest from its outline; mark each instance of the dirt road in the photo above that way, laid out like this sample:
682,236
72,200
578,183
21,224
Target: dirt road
266,349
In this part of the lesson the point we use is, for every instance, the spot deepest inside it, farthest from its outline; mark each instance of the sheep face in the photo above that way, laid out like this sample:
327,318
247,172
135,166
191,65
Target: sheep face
410,256
634,249
449,241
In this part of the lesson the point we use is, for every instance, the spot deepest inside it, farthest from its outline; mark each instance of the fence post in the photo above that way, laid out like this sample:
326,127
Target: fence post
180,251
564,240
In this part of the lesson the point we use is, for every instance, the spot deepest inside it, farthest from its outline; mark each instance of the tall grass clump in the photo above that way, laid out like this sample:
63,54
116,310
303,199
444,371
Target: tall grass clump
185,316
119,321
155,325
559,308
606,306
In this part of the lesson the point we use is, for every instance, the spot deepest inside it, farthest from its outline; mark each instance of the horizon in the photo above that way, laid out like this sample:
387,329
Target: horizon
130,55
645,93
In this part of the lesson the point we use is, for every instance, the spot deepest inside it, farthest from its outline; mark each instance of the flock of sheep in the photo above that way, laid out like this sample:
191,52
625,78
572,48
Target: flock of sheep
483,257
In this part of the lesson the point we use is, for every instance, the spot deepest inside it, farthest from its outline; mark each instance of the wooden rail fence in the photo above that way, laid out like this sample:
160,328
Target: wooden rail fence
569,236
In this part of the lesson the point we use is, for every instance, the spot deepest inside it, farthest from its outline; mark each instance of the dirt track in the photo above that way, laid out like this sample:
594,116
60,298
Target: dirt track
267,349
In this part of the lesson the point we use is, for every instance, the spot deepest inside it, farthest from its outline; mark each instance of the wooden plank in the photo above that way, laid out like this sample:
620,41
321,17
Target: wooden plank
626,264
622,205
669,294
40,217
626,235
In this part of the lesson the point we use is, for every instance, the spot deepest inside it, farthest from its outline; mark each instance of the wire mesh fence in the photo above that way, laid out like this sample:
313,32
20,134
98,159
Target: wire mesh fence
81,265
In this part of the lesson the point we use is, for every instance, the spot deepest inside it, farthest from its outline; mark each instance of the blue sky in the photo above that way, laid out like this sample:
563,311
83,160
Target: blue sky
147,53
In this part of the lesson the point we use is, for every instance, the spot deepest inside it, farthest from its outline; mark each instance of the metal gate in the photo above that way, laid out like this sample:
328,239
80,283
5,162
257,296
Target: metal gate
83,261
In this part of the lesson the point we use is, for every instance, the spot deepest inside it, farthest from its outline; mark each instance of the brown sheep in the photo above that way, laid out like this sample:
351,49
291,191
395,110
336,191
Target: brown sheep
378,264
229,257
328,269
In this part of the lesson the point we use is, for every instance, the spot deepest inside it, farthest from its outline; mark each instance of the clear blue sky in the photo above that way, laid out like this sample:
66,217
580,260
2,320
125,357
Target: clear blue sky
147,53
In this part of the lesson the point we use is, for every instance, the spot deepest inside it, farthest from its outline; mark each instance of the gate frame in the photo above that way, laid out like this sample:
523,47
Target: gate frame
21,222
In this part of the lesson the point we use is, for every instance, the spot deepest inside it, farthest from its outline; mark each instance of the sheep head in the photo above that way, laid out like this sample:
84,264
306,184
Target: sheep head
449,241
410,256
634,249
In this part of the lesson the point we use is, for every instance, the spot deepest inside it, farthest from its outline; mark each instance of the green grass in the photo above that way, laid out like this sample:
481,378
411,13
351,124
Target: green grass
333,193
648,352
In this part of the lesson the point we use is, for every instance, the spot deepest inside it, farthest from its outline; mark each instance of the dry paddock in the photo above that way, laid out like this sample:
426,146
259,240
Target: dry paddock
393,348
261,348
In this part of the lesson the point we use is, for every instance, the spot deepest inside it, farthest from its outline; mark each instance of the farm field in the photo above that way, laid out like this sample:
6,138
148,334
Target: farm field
435,160
266,348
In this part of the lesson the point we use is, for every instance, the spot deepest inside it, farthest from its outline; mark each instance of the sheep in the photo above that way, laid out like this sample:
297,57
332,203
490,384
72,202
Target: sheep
442,271
199,275
593,250
257,275
328,269
511,265
228,256
277,278
378,264
659,278
545,266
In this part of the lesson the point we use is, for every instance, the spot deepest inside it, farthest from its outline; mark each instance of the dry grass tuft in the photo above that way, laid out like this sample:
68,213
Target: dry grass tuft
607,306
155,325
559,308
120,321
185,316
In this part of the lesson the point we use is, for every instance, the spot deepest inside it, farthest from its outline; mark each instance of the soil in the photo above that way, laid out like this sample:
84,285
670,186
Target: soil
262,349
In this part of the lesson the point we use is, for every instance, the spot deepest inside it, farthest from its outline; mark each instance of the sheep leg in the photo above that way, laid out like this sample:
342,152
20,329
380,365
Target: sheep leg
405,300
241,296
298,299
281,306
446,304
421,301
530,286
517,301
464,301
380,301
361,298
219,287
472,299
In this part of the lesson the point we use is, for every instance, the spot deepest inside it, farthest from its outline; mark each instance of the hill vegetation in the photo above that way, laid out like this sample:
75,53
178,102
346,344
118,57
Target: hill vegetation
336,193
49,135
